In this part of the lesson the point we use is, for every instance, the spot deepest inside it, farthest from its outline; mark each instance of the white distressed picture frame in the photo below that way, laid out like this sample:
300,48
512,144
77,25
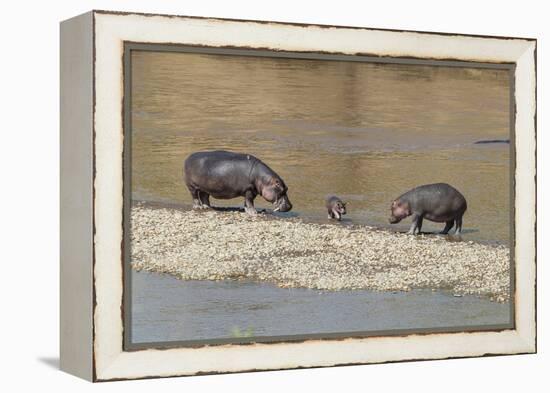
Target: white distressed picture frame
92,142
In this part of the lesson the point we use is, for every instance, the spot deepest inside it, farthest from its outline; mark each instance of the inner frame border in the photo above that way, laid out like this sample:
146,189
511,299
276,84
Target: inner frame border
126,311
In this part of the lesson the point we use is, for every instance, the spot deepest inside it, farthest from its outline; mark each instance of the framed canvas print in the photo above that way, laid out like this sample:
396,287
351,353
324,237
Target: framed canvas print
246,195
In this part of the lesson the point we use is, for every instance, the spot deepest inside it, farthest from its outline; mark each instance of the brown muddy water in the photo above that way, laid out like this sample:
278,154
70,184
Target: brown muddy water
366,132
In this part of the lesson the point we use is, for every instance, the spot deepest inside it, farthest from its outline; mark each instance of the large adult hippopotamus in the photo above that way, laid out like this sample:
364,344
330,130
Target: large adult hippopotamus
438,202
225,175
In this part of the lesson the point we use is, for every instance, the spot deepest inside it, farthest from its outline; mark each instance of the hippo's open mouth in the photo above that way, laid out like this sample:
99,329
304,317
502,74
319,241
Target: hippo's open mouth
282,204
277,205
281,207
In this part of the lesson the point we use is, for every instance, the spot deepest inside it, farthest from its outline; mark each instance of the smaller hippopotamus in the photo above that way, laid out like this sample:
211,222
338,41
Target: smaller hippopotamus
436,202
336,207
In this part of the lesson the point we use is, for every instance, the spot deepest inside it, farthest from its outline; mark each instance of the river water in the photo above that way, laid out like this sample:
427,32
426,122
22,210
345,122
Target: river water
165,309
365,132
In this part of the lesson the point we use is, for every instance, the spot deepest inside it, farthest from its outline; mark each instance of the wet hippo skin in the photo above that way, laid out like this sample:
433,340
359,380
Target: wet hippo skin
438,202
226,175
335,207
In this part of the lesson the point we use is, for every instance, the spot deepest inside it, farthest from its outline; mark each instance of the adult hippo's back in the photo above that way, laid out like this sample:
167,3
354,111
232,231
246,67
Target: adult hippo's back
225,175
437,202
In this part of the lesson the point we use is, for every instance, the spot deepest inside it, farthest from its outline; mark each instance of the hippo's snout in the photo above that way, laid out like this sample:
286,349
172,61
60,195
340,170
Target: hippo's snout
286,207
394,220
283,205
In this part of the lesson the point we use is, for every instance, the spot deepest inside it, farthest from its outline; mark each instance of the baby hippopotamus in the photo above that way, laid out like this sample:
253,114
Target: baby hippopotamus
335,207
436,202
225,175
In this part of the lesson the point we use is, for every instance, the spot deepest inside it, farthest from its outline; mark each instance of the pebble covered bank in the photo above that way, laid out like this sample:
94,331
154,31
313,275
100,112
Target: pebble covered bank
217,245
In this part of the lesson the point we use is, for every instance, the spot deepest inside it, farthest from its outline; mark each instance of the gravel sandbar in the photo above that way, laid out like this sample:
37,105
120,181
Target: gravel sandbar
215,245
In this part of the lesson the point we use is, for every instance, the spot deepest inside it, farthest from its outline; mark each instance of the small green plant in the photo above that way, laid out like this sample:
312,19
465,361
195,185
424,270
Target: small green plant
238,333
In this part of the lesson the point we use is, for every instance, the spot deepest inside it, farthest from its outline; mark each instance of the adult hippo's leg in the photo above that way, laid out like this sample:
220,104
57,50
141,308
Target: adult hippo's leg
416,224
204,199
458,226
448,225
419,224
195,195
249,203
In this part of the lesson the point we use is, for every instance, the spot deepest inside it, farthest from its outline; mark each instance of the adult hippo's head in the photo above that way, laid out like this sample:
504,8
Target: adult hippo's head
270,186
274,190
399,210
